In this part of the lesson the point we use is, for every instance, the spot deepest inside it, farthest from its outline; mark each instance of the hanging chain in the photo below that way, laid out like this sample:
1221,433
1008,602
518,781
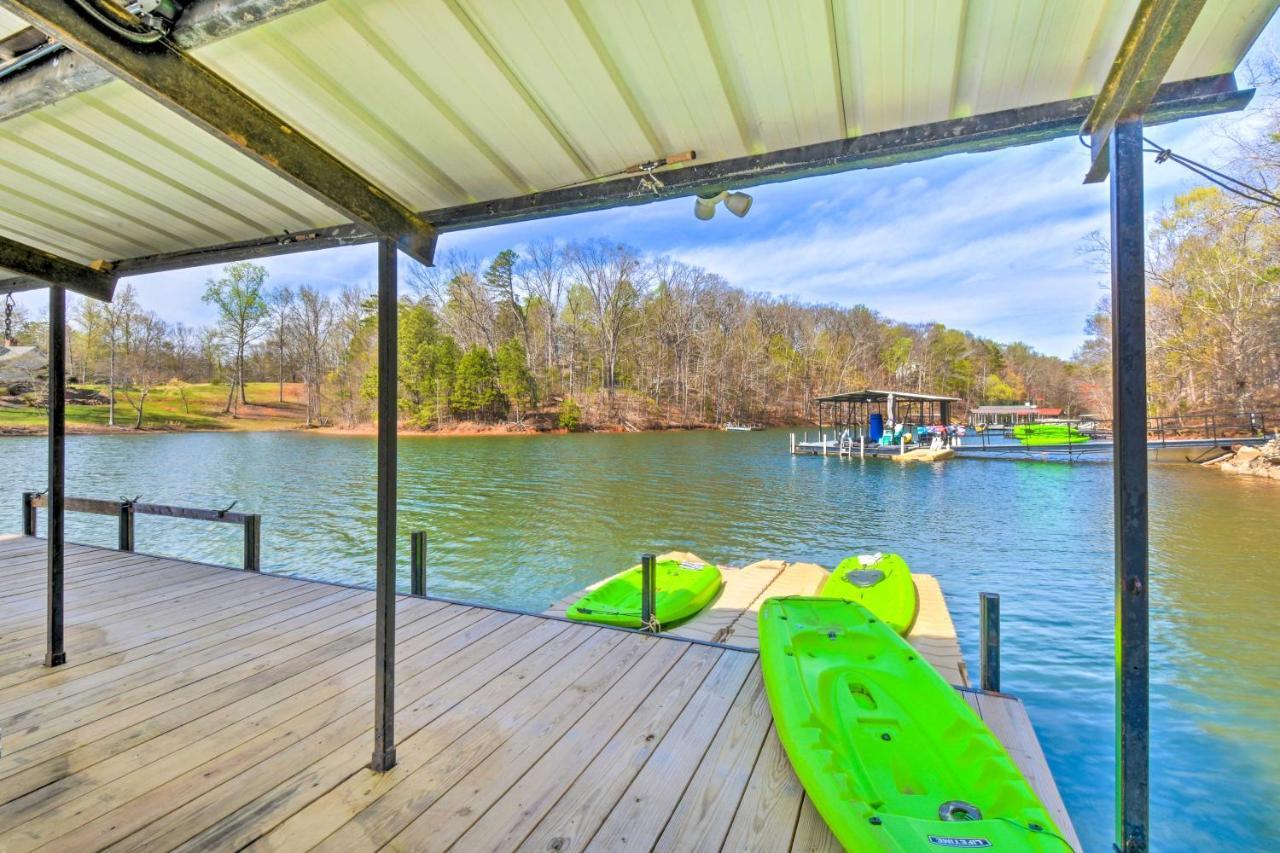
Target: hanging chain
8,318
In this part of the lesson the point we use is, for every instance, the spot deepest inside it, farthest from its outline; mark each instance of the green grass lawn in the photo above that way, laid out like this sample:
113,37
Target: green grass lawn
165,409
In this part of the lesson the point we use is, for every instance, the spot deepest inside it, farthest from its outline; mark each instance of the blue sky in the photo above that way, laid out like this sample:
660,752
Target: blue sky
992,243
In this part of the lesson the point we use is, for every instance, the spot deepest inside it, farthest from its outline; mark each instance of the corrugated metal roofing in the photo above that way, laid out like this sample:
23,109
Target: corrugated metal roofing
444,102
10,24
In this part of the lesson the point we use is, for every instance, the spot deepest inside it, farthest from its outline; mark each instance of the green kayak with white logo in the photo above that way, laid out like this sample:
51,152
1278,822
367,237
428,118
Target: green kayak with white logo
879,582
890,755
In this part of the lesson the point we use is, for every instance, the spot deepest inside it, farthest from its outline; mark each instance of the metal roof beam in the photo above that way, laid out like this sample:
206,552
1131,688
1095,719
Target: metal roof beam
1152,42
177,81
61,74
1185,99
44,268
986,132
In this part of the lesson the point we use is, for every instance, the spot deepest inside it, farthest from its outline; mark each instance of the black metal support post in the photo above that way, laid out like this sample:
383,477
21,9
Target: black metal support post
28,513
384,742
55,654
252,543
648,588
124,535
1129,399
989,640
418,562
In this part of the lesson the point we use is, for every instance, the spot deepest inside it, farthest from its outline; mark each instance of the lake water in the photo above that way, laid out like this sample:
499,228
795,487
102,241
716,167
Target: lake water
522,521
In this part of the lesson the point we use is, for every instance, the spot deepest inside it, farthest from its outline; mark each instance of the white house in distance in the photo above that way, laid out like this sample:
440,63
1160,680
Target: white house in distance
22,369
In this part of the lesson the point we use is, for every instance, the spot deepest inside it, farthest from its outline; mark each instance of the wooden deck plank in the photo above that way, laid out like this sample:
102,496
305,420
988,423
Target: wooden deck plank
82,661
639,816
505,824
441,756
87,687
84,671
208,781
767,816
138,699
702,817
257,703
522,736
570,824
527,651
532,655
812,834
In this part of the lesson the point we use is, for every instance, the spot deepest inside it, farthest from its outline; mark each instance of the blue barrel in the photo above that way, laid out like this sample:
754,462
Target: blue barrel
876,428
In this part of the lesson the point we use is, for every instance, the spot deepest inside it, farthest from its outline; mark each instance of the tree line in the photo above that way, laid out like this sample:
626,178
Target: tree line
591,333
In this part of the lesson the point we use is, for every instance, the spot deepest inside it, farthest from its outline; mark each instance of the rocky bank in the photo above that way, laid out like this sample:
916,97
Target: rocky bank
1261,461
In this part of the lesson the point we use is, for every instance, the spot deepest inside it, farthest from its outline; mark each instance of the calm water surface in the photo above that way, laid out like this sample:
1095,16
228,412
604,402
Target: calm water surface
523,521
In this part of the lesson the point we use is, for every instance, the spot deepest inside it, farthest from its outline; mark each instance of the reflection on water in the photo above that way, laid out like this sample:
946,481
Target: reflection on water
525,520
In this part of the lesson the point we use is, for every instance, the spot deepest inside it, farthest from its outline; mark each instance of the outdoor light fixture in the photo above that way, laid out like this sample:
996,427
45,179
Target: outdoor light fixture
704,206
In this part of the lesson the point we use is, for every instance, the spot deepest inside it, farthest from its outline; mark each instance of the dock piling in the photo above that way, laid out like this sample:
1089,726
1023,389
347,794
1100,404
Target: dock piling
989,640
418,562
28,513
124,532
648,589
253,542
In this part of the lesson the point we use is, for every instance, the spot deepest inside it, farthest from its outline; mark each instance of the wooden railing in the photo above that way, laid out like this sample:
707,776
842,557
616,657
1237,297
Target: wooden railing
126,510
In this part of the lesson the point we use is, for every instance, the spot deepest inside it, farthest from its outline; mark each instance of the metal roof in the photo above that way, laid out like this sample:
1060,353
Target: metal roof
874,396
10,24
445,103
1006,410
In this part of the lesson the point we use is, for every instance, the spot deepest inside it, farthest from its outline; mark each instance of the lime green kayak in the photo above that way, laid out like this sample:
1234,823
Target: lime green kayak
1036,435
879,582
683,590
890,755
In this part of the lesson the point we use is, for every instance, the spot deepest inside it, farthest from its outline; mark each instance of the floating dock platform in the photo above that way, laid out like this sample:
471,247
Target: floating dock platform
1161,450
731,620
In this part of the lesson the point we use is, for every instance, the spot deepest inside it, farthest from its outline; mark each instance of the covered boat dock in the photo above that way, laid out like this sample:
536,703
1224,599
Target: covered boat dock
207,131
853,410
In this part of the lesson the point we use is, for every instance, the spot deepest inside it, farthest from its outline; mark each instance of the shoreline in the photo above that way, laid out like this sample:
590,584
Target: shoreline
1262,461
464,429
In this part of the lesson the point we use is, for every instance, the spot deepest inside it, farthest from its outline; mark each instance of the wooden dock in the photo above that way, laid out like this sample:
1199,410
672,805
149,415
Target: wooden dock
211,708
732,619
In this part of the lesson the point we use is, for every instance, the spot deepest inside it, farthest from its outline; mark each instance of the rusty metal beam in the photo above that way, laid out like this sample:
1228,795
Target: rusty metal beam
1153,40
44,268
173,78
62,74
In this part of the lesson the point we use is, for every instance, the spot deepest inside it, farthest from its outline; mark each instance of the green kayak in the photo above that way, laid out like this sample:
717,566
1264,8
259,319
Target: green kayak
890,755
1038,435
879,582
683,590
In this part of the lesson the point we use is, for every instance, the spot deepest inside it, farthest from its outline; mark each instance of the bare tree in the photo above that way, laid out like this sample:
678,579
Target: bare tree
145,359
311,324
543,274
280,303
617,279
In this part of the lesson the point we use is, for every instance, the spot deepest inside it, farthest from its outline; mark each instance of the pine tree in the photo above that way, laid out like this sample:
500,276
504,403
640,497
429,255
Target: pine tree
515,379
476,393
